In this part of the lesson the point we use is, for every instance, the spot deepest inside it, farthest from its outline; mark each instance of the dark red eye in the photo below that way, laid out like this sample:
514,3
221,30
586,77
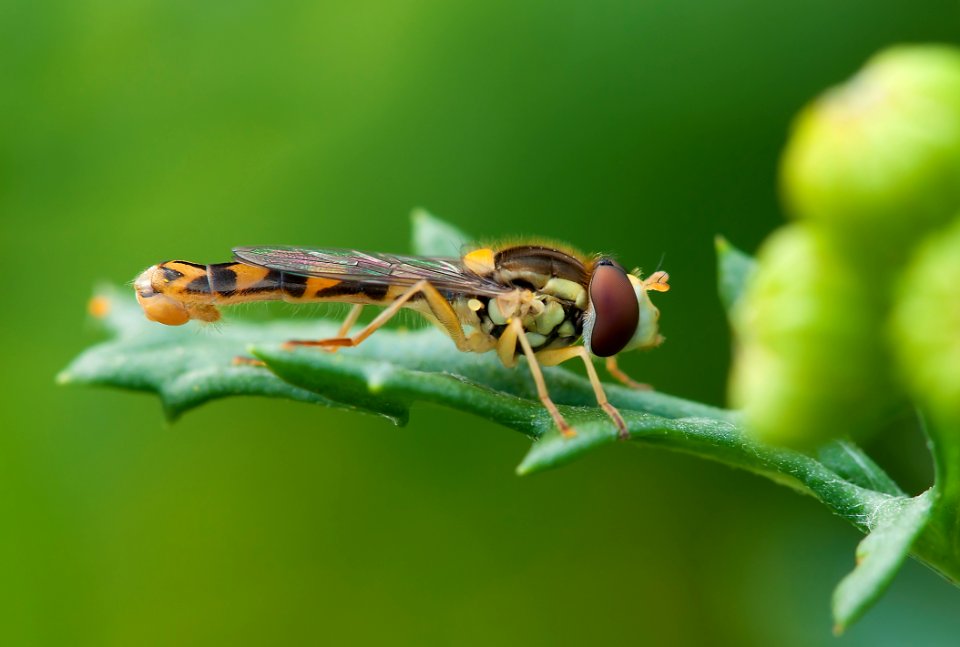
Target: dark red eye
615,309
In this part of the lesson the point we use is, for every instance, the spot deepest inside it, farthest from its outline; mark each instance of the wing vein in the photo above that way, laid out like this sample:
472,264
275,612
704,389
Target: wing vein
446,274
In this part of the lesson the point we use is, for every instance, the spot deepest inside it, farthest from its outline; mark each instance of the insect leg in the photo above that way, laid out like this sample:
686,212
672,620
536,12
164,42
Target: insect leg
602,396
556,356
445,315
350,320
614,370
507,346
241,360
342,333
518,334
438,305
559,355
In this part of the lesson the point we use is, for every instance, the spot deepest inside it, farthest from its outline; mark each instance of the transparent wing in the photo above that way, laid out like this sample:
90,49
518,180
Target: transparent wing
445,274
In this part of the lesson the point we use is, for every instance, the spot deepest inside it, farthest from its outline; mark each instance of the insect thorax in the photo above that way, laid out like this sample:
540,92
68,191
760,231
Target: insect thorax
549,322
549,299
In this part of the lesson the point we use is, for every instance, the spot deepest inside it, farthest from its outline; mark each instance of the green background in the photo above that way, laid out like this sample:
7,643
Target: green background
137,131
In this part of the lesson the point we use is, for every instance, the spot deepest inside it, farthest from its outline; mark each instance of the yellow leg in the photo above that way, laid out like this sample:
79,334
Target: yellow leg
560,355
345,327
614,370
248,361
444,313
351,319
507,346
438,305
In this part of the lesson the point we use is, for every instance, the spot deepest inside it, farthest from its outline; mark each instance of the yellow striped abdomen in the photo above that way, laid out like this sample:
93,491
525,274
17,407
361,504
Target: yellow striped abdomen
175,292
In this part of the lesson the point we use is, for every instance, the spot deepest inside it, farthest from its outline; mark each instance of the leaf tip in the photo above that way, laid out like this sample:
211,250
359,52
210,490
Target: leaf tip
838,629
721,244
378,377
64,377
171,411
531,463
419,214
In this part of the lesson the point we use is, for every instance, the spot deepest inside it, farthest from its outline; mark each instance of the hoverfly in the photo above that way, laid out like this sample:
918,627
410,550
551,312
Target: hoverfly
538,300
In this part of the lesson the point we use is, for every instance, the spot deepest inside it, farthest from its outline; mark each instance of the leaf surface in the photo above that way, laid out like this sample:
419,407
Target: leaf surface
896,525
396,368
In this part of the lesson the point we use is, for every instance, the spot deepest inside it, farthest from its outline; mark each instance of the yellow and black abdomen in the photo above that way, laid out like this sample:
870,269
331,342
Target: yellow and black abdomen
176,291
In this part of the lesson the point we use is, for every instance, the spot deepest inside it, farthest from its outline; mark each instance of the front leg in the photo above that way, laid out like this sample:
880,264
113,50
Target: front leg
614,370
560,355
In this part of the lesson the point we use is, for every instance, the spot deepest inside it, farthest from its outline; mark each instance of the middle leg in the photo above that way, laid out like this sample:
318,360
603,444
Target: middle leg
506,349
351,319
560,355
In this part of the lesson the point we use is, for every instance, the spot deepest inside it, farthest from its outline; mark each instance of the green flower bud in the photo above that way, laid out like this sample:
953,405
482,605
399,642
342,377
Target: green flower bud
926,325
876,161
810,362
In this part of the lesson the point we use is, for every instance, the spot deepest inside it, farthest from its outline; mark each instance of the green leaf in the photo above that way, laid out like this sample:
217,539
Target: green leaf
185,366
188,366
734,268
896,524
939,544
394,369
849,461
434,237
720,439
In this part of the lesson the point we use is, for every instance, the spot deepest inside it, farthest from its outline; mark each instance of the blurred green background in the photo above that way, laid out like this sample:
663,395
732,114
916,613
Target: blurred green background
137,131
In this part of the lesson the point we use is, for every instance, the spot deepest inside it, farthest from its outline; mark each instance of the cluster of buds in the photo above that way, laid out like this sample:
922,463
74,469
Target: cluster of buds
855,306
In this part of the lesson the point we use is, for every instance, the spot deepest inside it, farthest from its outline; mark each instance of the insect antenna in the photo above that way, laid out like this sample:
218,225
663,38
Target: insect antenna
638,273
663,257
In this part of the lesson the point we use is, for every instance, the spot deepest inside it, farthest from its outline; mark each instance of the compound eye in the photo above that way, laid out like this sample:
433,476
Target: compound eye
615,309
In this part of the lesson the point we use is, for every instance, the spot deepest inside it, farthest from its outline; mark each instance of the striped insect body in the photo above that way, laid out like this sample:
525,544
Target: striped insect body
544,302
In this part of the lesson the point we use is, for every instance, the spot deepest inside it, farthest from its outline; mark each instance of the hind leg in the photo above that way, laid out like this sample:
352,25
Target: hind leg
441,309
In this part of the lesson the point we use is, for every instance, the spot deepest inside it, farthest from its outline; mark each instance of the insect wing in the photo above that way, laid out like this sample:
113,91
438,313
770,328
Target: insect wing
380,269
